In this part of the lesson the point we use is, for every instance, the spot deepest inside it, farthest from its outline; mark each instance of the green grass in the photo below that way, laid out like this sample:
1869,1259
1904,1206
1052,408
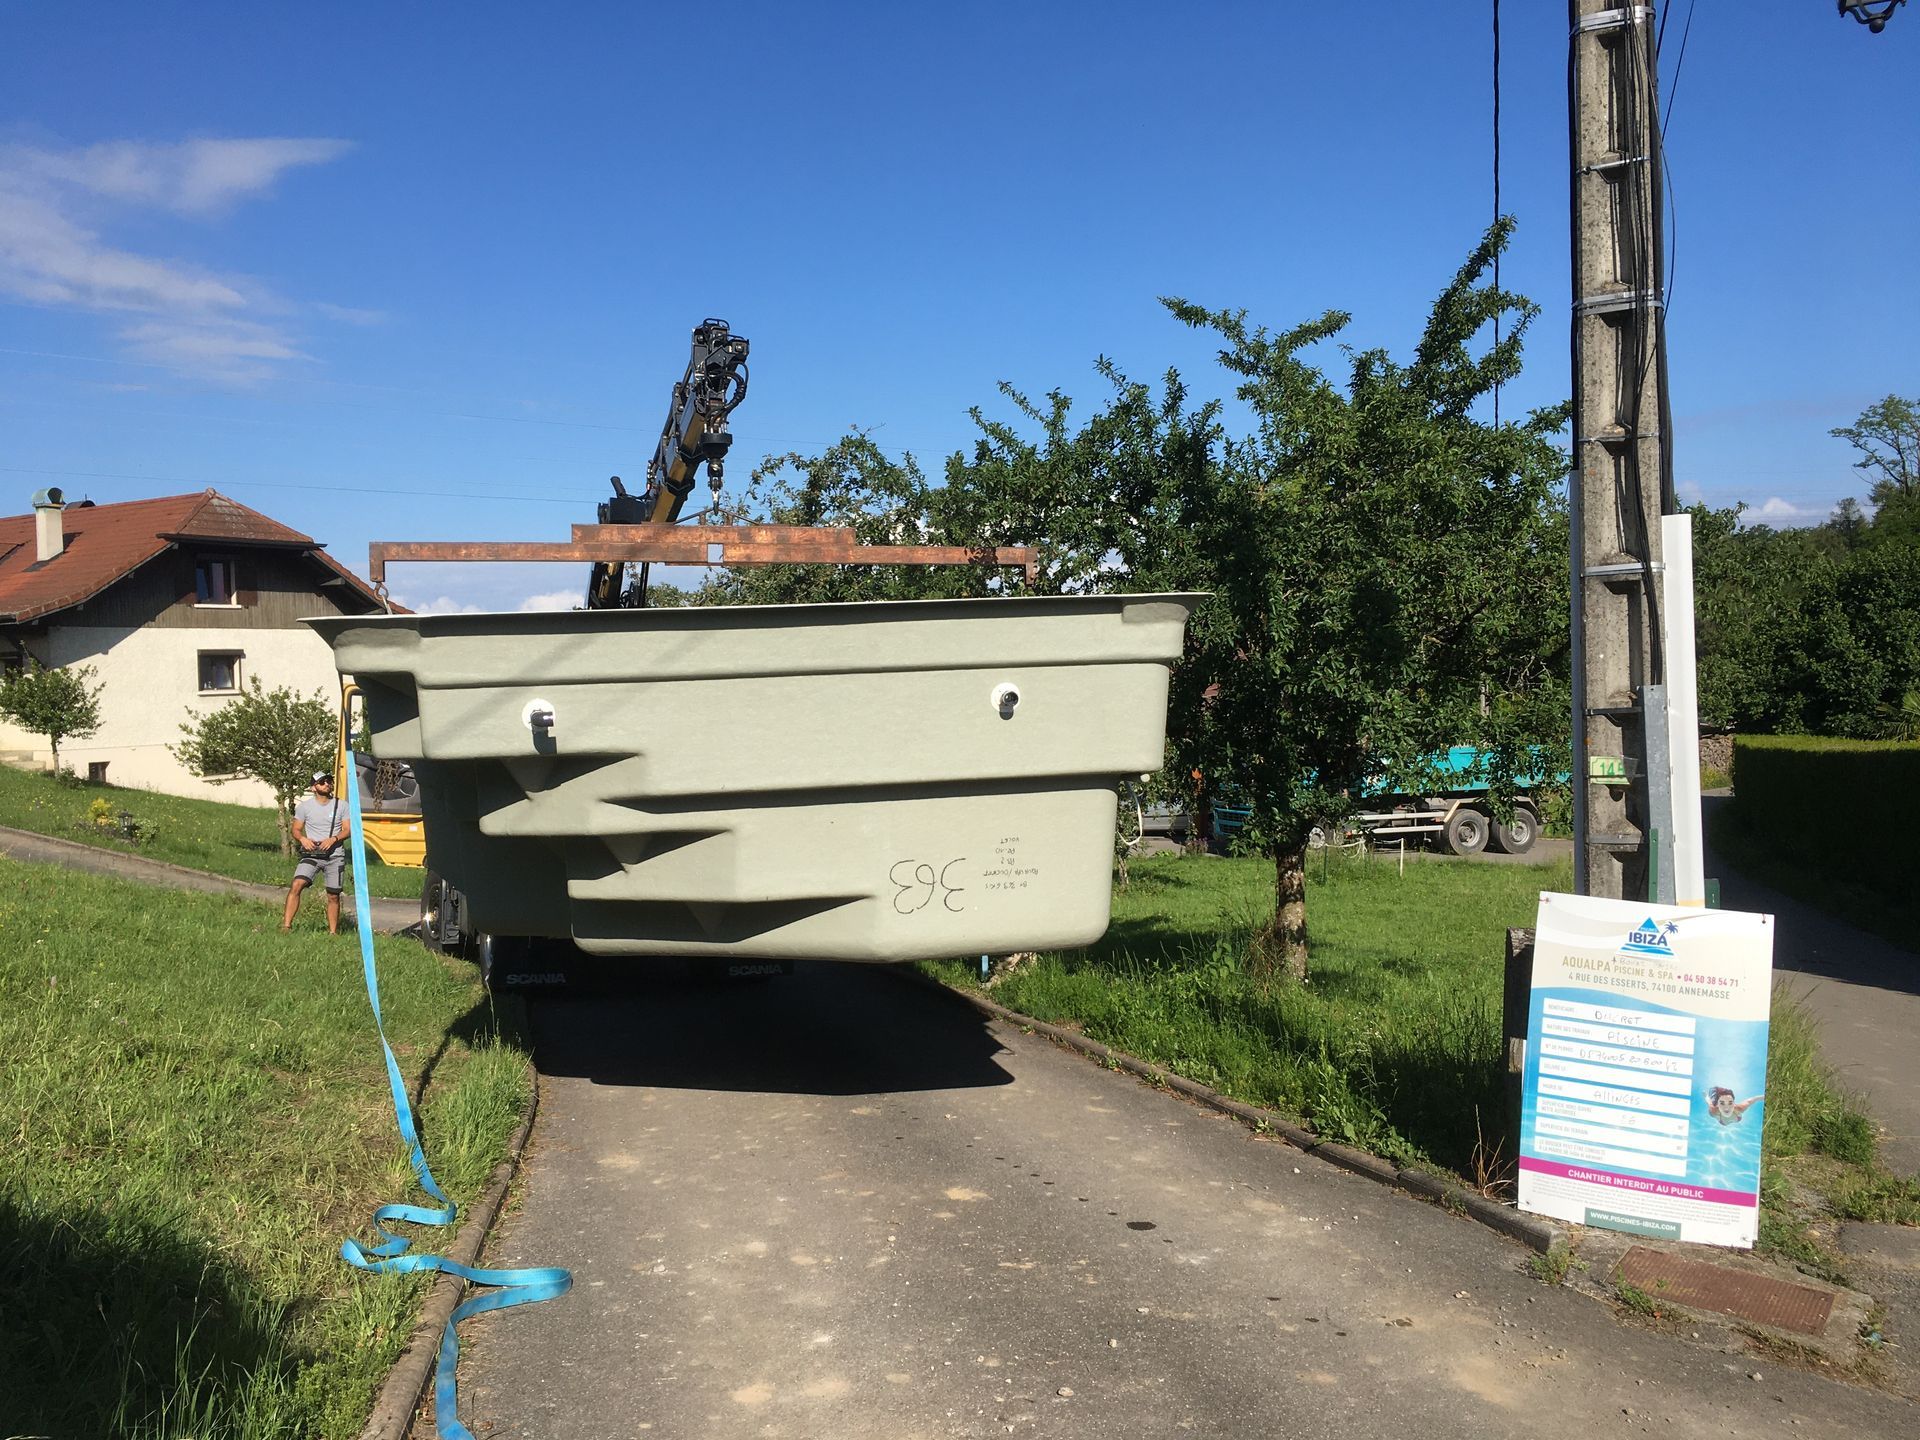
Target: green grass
241,842
1395,1043
194,1114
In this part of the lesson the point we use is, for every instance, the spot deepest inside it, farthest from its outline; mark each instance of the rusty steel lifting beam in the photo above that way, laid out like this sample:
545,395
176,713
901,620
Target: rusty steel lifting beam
702,545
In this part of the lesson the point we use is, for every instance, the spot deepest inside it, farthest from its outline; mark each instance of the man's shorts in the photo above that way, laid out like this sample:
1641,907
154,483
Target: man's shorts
334,864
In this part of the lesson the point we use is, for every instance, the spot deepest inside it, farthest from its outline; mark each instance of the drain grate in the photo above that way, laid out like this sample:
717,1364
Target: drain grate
1764,1301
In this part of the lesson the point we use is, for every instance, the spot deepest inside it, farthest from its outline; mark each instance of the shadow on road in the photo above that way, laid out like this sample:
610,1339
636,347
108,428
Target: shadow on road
824,1030
1809,942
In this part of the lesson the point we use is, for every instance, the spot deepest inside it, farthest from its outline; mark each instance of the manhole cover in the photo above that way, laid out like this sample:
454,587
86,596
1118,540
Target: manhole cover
1778,1303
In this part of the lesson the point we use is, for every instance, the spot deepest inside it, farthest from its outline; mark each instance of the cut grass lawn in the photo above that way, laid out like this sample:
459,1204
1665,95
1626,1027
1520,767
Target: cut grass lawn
241,842
195,1114
1395,1043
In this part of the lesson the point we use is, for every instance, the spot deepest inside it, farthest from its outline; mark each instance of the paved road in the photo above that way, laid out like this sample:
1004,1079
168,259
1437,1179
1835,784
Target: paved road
389,916
1865,992
842,1205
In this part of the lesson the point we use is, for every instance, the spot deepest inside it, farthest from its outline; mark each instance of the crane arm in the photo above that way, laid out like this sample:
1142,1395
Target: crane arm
695,434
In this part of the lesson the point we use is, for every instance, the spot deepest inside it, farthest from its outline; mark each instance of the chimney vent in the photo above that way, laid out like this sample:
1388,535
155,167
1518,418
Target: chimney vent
48,531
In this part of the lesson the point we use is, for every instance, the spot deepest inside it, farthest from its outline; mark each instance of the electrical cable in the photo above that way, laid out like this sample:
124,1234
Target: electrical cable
1644,276
1496,205
1680,60
285,485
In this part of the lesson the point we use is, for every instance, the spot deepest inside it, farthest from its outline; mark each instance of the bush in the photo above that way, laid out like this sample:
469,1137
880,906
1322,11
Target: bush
1831,807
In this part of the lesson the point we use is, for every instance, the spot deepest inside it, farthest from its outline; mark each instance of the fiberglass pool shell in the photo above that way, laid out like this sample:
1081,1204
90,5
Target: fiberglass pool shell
884,781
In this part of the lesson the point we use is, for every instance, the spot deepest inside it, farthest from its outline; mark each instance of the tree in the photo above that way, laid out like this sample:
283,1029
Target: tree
274,736
1887,435
853,483
1387,574
1387,578
1807,631
57,703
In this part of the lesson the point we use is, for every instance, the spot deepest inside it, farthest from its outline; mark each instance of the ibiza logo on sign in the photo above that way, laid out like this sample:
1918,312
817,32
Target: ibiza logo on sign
1649,937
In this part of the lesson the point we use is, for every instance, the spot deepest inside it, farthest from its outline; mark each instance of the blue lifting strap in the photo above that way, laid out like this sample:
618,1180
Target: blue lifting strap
515,1287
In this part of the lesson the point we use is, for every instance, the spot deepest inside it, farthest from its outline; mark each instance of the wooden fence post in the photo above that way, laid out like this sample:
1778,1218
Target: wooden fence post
1516,1003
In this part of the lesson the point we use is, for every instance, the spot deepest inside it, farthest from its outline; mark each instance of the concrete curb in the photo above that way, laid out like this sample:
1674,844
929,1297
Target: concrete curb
1530,1230
406,1384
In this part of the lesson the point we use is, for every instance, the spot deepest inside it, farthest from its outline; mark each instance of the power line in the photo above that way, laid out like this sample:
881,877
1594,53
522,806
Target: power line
1496,203
203,483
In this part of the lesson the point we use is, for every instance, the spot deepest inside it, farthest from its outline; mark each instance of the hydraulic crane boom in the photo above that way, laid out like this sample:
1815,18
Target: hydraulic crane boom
695,434
636,530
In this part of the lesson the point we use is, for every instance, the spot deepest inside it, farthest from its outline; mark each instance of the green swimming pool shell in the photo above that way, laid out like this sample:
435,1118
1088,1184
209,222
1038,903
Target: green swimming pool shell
889,781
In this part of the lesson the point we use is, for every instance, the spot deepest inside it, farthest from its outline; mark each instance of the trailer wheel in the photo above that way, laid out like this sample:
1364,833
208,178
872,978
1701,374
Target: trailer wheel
1466,832
1517,836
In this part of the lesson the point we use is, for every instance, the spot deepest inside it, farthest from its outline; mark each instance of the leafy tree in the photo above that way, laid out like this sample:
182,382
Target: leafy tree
1387,576
1887,435
1807,631
855,484
1848,523
275,736
57,703
1387,573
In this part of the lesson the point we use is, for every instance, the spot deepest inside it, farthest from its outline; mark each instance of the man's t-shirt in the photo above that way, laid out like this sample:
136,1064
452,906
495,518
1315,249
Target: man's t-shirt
323,819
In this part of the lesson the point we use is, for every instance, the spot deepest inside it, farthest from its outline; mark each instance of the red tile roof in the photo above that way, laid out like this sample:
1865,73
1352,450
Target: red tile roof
104,543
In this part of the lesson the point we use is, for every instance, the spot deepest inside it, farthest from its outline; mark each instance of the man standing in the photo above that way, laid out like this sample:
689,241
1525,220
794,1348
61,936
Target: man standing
320,828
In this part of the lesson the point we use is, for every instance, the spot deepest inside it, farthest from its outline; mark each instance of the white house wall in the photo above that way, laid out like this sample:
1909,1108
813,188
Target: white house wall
151,677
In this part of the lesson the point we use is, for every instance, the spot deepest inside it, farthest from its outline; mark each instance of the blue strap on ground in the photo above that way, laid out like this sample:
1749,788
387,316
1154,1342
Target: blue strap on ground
515,1287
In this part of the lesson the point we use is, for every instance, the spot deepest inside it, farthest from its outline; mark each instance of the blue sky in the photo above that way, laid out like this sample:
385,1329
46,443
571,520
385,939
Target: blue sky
427,272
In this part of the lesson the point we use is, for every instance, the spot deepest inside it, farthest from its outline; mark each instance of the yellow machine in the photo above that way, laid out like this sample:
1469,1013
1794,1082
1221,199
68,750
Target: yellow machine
389,793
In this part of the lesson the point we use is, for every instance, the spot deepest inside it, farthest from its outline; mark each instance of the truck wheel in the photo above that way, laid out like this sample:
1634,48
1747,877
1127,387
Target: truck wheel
433,914
518,962
495,955
1466,832
1517,836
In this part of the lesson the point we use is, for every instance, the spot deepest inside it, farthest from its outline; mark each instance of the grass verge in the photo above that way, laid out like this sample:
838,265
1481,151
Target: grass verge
196,1113
1395,1044
241,842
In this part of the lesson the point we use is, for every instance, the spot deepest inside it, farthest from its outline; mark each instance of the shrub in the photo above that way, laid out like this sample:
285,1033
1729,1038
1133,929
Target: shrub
1831,807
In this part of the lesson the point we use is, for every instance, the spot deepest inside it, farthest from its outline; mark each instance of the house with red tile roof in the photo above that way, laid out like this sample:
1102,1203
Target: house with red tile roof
178,604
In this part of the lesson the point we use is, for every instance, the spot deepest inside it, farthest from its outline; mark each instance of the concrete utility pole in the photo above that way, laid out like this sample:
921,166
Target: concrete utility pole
1622,483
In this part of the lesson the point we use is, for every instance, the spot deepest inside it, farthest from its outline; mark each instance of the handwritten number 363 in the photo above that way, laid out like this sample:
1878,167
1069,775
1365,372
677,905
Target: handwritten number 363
921,883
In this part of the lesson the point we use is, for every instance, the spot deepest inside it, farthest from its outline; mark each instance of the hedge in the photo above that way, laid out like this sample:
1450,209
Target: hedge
1837,808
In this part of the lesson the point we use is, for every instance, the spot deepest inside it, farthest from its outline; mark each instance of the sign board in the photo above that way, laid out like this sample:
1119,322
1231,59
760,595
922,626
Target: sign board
1644,1092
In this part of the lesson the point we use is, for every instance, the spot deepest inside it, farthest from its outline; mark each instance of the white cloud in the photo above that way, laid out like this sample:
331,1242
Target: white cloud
556,600
235,350
350,314
442,605
55,203
49,258
190,177
1778,512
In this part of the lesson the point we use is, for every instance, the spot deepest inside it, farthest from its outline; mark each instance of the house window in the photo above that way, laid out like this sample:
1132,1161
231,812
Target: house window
97,771
220,672
213,583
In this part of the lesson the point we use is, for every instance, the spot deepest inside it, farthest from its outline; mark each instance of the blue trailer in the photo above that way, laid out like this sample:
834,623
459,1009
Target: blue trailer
1457,815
